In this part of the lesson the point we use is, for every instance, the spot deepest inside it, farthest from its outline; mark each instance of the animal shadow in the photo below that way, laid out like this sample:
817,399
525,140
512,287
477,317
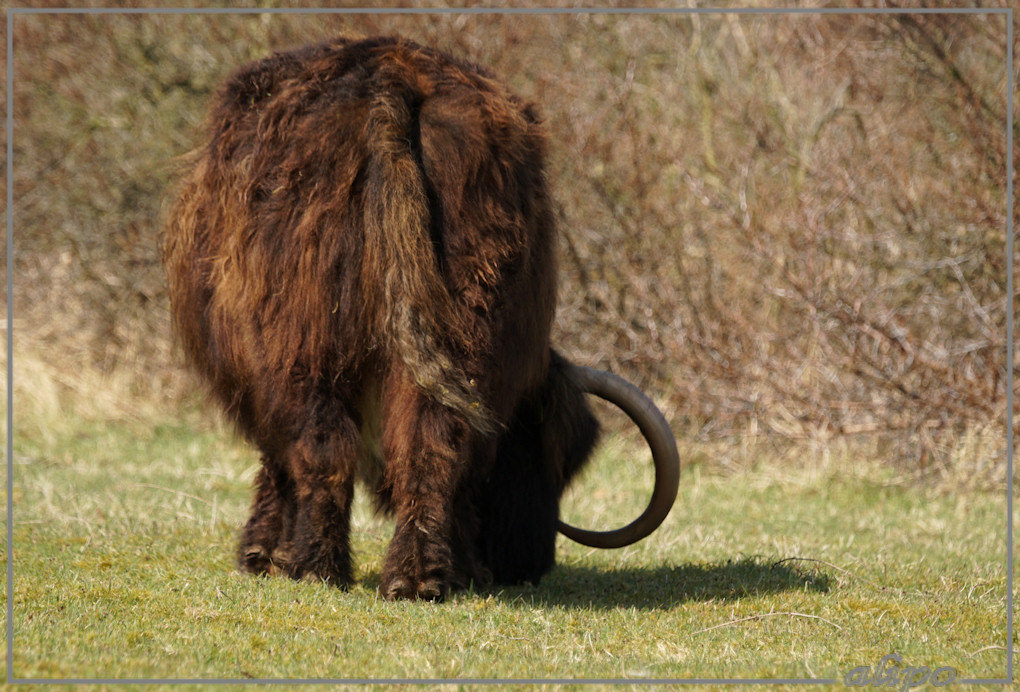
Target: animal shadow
663,587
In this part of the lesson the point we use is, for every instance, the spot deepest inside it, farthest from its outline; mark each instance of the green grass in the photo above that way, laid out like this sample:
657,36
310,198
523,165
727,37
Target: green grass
124,539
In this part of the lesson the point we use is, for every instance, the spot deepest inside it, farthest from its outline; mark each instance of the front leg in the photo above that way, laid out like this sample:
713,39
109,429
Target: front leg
548,441
263,547
426,446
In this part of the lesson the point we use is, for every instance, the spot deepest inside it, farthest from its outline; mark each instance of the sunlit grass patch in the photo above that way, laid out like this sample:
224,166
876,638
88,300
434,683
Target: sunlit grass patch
124,543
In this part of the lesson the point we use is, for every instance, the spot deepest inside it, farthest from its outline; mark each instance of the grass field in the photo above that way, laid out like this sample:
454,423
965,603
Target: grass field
783,227
778,566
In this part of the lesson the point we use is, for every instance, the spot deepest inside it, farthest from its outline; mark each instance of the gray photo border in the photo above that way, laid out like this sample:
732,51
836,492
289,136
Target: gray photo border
13,12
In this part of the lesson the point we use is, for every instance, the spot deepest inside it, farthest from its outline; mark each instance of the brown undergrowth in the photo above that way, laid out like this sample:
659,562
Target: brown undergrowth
783,228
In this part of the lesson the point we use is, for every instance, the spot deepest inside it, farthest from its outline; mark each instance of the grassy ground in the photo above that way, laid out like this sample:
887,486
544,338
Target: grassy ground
778,220
784,567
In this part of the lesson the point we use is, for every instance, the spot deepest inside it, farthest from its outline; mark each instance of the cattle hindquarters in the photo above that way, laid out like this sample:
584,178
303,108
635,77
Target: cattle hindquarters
362,267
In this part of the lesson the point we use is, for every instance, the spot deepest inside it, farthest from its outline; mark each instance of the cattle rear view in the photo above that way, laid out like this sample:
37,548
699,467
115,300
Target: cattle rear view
362,267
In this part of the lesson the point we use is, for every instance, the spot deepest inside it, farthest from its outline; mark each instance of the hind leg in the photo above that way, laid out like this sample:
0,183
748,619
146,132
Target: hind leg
321,465
426,446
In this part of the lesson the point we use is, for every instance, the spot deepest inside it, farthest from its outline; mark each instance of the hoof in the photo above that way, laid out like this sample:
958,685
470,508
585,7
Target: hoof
279,561
322,571
255,560
400,588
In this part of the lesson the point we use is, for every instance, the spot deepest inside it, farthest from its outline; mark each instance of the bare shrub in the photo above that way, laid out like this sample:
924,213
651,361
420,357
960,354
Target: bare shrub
789,225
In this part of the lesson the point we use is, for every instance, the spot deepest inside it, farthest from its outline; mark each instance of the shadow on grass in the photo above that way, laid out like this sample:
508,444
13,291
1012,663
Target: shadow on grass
663,587
650,587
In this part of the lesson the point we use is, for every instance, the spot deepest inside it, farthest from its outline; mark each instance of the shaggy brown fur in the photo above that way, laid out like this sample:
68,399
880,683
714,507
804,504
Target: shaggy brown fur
361,264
